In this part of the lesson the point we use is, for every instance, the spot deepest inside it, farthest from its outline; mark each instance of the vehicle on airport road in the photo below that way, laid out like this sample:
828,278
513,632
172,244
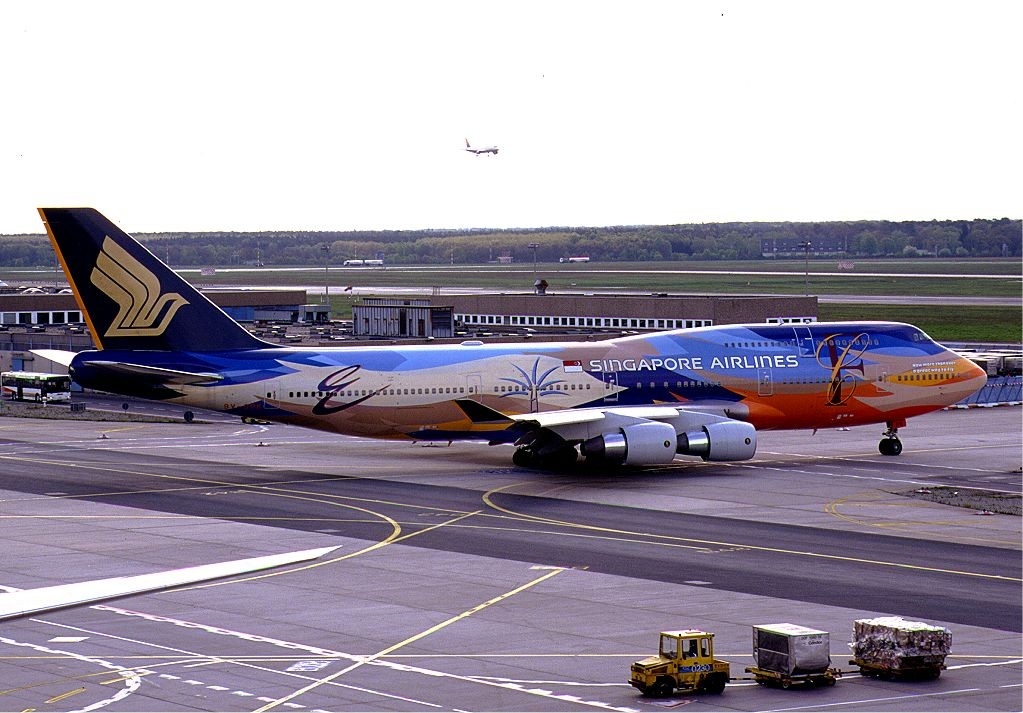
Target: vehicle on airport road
21,603
635,400
684,660
35,386
354,262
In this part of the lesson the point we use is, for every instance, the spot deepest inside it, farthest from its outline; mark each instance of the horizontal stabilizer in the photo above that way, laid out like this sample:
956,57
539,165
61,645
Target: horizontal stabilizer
28,602
164,376
58,356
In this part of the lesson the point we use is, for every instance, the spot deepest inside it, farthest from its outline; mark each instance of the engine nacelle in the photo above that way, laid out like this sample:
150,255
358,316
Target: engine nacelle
647,443
725,440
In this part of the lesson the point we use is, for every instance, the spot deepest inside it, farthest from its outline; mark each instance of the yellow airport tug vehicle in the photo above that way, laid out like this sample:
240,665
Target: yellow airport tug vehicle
685,660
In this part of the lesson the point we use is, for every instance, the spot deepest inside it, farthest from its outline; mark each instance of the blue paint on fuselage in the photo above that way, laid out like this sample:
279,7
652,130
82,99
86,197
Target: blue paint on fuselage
697,359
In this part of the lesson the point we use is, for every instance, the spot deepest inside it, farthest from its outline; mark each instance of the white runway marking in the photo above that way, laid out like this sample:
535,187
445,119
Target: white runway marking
132,680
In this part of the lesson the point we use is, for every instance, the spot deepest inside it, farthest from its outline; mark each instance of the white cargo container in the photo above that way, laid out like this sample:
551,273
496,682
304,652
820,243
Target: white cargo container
791,649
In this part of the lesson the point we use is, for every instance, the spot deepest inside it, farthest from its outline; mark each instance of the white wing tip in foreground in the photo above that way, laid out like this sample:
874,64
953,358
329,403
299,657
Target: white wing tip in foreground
28,602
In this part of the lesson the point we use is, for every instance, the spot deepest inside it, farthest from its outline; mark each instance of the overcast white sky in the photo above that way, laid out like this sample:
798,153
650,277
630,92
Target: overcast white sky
249,115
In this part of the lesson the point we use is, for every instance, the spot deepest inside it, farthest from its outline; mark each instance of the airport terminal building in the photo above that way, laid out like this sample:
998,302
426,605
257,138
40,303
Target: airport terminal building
615,313
447,316
36,307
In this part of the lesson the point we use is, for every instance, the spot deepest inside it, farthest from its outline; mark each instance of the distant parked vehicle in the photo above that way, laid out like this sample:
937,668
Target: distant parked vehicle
35,386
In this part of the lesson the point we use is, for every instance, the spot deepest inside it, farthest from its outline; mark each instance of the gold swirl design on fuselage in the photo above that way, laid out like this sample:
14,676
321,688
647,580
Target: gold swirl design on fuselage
842,360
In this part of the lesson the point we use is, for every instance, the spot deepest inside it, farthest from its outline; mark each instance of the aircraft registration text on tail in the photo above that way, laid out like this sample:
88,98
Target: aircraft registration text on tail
635,400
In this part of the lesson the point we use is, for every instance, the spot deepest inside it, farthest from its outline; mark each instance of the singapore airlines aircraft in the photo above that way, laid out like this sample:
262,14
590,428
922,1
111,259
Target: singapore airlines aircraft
480,149
640,399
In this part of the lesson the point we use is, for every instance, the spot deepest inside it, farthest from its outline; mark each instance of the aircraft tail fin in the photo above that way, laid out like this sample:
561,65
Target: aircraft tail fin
129,298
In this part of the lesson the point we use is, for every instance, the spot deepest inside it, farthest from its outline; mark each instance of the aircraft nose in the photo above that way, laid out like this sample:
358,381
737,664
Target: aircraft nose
972,377
974,371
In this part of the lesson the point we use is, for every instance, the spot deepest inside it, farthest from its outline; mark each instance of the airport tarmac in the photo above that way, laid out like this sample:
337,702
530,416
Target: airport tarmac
466,584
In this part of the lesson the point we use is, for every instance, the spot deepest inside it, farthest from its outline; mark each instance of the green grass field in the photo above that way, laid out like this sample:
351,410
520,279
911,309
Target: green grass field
991,278
944,323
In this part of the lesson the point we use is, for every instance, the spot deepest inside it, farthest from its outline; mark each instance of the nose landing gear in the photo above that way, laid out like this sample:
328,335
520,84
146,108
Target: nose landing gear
890,444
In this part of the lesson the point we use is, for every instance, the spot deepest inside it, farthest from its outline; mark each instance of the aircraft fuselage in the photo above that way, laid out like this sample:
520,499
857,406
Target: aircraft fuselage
818,375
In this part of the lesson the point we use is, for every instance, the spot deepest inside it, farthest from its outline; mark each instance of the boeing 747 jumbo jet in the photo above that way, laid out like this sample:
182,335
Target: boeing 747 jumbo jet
635,400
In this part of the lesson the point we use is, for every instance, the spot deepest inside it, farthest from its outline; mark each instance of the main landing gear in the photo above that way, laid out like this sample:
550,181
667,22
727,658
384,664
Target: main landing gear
890,444
543,450
560,459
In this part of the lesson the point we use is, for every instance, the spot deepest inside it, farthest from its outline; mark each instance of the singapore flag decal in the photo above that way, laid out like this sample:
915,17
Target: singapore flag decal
571,366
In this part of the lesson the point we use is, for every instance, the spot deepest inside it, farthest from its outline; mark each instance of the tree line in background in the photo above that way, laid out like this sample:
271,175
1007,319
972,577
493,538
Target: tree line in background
706,241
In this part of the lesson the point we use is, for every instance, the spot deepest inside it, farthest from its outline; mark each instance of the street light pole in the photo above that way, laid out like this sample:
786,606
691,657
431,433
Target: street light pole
534,246
326,281
806,266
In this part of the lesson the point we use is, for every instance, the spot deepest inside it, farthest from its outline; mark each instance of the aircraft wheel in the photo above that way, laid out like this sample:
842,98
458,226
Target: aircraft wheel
189,416
561,460
523,458
890,446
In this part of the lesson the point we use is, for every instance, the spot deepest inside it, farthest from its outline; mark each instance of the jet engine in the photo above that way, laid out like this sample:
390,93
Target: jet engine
645,443
724,440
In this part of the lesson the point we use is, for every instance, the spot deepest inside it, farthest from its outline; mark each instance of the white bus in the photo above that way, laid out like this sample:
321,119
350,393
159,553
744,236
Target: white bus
35,386
362,263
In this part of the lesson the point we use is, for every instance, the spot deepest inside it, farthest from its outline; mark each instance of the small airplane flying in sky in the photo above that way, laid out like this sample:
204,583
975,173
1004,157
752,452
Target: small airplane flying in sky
640,399
480,149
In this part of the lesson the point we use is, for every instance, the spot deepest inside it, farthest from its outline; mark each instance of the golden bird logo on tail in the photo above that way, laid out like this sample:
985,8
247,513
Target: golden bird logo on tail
142,310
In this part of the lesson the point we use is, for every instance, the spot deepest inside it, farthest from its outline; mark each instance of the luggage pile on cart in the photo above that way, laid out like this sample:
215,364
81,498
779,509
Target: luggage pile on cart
789,654
892,647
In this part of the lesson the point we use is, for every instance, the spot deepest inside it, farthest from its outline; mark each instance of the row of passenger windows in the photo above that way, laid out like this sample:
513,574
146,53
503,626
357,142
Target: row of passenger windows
383,392
352,393
860,341
751,345
553,387
678,384
943,376
620,322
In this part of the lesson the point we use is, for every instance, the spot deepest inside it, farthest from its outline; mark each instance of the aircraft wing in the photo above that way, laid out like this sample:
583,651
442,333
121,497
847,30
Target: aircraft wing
480,413
29,602
164,376
647,434
569,417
